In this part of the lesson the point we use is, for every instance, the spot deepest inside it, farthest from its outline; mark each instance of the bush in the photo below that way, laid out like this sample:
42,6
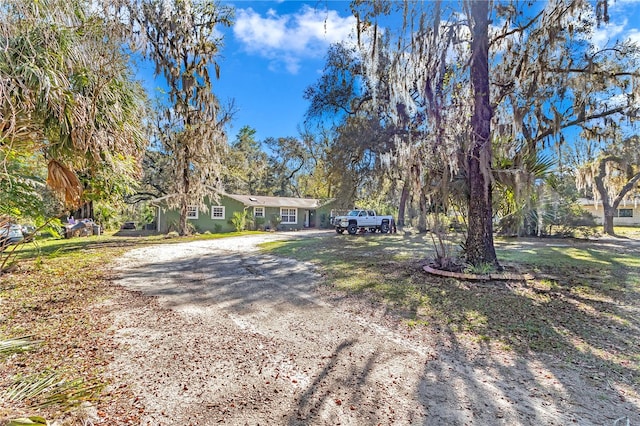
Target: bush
275,221
239,220
258,223
567,221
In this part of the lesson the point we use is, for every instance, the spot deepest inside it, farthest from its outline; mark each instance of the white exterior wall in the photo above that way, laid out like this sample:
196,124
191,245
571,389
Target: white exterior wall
598,211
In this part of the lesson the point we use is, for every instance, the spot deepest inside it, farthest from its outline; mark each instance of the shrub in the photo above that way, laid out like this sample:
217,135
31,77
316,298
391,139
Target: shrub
239,220
275,221
258,223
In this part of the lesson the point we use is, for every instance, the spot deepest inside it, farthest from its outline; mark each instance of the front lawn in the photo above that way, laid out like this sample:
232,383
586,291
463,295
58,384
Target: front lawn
582,307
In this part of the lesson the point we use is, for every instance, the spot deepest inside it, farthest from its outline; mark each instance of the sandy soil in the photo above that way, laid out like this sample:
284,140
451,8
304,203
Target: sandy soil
214,332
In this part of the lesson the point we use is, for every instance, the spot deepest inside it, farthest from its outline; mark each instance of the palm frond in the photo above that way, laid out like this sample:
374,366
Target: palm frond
20,344
64,181
25,421
52,389
541,165
30,387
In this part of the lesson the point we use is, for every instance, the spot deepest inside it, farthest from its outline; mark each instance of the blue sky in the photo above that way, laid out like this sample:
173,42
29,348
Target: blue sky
276,49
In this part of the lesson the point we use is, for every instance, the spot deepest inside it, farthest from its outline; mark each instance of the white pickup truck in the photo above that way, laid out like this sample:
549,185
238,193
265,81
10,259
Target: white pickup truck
363,220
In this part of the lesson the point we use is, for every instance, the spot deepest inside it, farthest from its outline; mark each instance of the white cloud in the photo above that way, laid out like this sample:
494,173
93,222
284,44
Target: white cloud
607,34
288,39
620,6
624,24
634,35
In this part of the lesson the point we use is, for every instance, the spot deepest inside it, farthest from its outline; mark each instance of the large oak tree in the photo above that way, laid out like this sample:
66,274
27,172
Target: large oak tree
512,77
181,38
613,174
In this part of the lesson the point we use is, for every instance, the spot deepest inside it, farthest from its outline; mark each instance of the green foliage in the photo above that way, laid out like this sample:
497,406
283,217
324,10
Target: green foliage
56,51
522,177
110,183
106,215
566,219
258,223
287,163
557,210
247,166
480,269
378,201
9,254
148,214
23,194
614,173
343,155
275,221
447,253
324,220
239,220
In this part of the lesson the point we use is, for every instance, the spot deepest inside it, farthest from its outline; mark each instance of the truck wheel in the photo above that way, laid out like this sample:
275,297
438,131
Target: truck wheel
339,230
384,227
352,229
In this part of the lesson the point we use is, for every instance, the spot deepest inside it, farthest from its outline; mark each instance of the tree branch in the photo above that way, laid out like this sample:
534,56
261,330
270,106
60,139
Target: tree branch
577,121
517,30
598,73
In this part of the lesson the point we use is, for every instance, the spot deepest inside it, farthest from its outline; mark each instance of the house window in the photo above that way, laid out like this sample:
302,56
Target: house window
625,212
217,212
192,212
258,212
289,215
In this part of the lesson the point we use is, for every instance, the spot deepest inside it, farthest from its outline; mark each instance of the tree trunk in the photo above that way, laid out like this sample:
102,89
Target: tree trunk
186,187
479,244
610,208
182,225
607,221
403,204
422,219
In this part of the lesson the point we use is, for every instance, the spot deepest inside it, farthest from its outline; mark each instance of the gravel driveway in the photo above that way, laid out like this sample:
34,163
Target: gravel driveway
233,336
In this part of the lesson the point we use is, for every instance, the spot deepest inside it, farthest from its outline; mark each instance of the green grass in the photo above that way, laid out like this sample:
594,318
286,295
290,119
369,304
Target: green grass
583,303
628,231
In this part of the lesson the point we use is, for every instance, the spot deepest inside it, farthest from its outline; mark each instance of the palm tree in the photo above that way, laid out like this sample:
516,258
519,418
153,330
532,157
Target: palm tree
66,91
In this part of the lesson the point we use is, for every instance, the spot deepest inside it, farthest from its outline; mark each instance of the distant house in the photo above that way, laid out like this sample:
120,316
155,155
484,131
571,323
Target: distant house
628,211
283,213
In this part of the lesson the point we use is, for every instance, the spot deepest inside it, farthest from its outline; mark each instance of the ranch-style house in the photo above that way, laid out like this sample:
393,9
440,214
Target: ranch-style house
271,213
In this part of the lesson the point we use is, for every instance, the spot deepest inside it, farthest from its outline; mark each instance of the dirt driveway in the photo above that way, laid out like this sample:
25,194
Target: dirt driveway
233,336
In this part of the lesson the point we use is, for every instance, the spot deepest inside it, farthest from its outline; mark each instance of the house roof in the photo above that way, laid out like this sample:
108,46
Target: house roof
264,201
260,200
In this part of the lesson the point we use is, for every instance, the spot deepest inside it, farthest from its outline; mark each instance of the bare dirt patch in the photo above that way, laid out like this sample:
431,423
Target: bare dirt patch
214,332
